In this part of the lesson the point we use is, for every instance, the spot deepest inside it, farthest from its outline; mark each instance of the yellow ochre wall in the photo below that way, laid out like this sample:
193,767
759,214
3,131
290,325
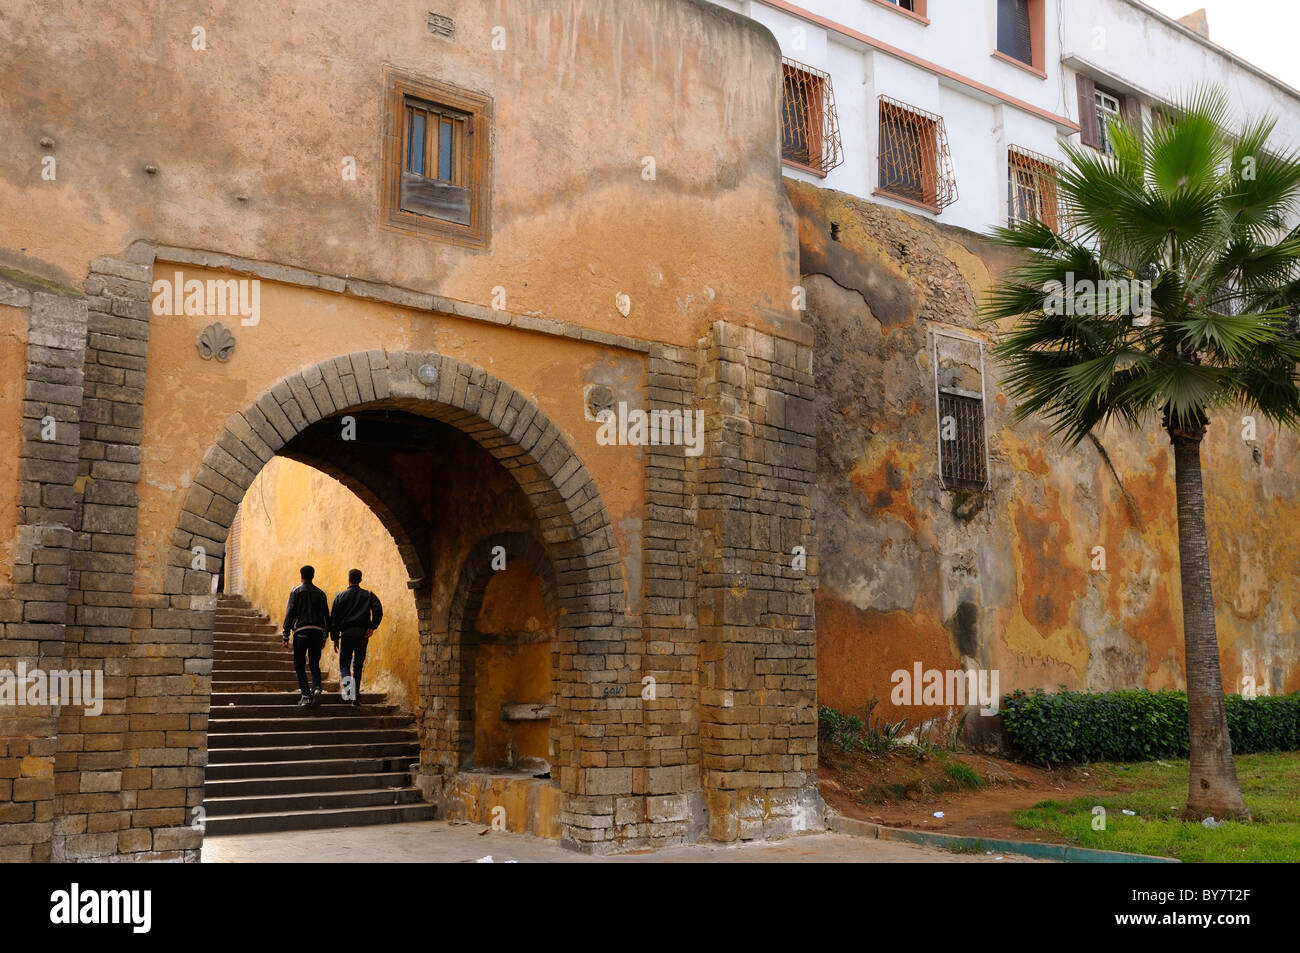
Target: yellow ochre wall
293,514
513,665
13,367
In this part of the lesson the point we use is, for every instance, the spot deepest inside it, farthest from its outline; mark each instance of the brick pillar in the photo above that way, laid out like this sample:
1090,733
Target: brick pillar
758,677
125,779
33,613
669,807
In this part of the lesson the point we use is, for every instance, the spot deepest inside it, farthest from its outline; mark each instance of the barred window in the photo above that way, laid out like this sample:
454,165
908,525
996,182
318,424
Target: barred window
962,464
1031,189
915,163
958,363
810,126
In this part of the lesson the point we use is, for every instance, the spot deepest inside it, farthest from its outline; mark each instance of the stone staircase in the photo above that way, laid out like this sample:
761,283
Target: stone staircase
273,766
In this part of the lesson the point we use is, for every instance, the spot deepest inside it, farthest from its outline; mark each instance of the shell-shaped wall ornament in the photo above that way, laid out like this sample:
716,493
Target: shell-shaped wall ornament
216,341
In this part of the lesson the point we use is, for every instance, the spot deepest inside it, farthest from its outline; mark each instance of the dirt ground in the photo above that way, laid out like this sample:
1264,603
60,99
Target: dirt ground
898,790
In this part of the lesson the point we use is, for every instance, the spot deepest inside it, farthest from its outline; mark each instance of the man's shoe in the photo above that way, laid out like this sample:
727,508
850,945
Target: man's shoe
304,701
356,704
315,696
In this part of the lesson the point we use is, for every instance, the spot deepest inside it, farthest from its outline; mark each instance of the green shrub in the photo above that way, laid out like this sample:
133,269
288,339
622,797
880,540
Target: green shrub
1138,725
851,733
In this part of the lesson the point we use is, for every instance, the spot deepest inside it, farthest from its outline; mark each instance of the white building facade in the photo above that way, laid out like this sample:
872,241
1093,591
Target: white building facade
950,108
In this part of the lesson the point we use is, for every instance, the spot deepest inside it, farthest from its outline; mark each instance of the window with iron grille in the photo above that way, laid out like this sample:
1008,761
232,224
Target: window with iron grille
810,126
435,158
1032,190
962,464
914,160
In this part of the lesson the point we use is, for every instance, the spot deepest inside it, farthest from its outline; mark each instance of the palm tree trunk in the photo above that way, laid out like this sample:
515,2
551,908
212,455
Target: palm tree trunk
1213,790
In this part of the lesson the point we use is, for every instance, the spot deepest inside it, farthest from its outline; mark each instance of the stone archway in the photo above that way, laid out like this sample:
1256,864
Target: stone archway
572,521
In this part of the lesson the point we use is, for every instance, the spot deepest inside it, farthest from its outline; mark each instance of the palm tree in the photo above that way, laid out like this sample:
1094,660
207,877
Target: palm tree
1199,220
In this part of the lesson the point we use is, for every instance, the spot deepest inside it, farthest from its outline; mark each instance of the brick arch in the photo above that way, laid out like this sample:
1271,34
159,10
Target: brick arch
476,571
574,523
575,530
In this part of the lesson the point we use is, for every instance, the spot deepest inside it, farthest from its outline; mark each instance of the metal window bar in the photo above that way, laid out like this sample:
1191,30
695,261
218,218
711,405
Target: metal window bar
1032,193
915,162
810,123
962,453
965,465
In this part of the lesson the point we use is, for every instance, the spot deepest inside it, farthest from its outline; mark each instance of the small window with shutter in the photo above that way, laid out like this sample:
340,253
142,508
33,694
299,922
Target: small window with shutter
1107,112
1098,108
435,158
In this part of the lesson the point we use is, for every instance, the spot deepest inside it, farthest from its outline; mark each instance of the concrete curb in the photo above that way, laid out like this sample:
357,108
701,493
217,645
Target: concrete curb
1060,852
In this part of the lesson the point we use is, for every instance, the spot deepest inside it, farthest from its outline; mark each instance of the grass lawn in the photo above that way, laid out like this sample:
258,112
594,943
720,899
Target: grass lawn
1157,790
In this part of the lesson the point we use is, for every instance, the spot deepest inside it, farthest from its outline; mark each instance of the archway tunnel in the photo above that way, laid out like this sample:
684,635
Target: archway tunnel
451,543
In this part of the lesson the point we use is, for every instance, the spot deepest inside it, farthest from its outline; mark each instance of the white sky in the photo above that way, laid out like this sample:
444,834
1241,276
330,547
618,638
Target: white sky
1261,31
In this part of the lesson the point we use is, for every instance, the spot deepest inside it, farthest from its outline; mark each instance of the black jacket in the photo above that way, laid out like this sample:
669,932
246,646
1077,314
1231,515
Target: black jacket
308,606
355,610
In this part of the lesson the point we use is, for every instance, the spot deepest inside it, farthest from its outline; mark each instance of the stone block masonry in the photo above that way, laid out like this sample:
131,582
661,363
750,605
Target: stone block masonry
685,712
758,676
34,610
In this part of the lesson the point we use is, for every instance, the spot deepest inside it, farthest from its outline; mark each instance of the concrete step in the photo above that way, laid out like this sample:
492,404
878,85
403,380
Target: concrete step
304,784
305,737
309,801
271,668
278,686
317,820
261,653
329,707
227,699
254,770
345,718
388,749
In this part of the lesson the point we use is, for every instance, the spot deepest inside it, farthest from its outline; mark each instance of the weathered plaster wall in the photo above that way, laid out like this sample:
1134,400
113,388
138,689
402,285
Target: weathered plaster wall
1004,580
188,399
293,514
248,139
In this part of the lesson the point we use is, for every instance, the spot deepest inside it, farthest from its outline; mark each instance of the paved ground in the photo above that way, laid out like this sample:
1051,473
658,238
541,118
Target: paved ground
442,842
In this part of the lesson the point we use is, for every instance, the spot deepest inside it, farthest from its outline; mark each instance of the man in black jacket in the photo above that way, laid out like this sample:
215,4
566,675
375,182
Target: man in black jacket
354,618
307,616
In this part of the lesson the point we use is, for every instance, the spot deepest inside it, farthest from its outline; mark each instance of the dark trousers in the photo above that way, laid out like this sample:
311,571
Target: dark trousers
306,650
352,656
